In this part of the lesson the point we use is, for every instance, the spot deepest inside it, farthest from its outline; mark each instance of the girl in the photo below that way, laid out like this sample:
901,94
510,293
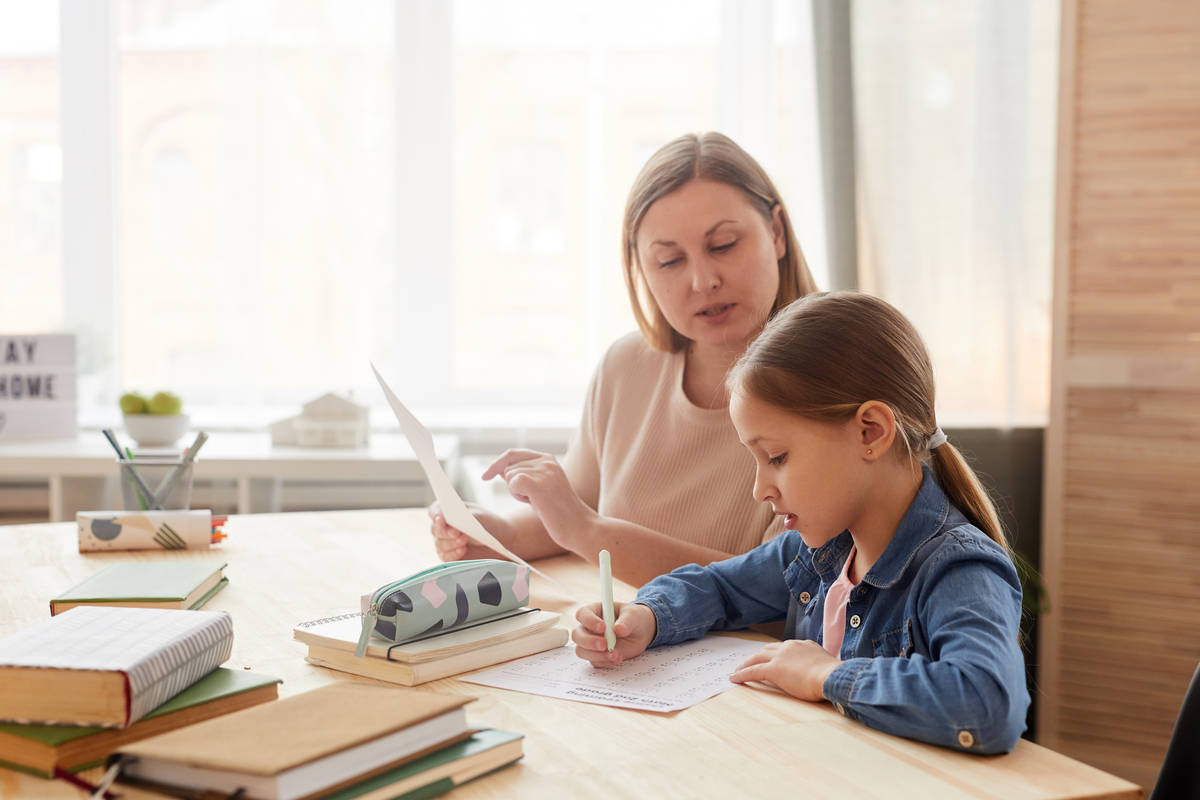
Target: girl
655,474
901,602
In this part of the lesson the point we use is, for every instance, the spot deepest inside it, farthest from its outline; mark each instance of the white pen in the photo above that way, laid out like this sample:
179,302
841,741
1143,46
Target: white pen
606,598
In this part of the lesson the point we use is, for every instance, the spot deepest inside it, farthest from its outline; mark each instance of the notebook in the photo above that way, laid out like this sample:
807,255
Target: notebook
418,672
41,748
331,643
107,667
305,745
163,584
342,632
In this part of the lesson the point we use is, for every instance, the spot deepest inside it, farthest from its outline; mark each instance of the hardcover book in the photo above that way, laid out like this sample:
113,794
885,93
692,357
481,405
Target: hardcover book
107,667
163,584
303,746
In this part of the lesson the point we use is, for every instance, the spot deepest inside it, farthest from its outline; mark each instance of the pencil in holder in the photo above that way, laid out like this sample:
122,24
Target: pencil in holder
150,484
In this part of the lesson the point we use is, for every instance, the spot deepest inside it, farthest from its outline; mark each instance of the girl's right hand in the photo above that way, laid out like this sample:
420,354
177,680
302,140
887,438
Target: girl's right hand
454,545
634,625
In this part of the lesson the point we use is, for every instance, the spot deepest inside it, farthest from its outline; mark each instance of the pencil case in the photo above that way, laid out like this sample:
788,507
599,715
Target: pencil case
148,530
443,598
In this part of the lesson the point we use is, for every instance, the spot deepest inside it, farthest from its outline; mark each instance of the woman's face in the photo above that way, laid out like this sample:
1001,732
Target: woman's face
711,261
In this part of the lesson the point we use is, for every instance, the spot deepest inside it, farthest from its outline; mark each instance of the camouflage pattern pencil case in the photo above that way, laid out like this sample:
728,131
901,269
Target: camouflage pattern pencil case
443,598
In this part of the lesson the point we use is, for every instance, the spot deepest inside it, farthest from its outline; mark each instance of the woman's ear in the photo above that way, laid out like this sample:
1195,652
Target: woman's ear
875,425
778,231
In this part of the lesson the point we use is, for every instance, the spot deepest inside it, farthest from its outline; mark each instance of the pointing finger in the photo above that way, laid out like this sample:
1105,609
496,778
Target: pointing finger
507,459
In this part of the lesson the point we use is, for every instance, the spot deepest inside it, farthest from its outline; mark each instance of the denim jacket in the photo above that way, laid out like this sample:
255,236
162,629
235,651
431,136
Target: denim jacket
930,649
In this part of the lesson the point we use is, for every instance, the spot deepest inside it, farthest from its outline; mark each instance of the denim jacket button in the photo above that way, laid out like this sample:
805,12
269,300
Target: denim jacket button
965,738
855,621
838,706
805,597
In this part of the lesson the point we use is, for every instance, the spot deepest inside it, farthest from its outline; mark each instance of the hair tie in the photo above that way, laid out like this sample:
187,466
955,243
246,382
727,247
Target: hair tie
936,439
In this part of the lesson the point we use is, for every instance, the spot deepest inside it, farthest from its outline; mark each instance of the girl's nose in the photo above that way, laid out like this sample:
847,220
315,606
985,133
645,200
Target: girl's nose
763,490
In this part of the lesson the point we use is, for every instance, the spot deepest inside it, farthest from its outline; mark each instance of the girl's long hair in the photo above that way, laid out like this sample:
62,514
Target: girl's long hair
708,157
826,354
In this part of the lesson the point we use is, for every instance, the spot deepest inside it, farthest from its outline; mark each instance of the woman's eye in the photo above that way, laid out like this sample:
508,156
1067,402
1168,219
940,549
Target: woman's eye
777,460
721,248
670,263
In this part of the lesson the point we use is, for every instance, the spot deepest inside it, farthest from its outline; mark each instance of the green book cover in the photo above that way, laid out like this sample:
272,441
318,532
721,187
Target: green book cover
219,683
155,582
473,745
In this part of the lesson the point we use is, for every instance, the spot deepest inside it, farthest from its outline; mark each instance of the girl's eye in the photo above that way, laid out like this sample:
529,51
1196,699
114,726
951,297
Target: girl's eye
722,248
670,263
777,460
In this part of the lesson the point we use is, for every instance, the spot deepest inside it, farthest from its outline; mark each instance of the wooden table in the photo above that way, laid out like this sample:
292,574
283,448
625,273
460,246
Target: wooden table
747,742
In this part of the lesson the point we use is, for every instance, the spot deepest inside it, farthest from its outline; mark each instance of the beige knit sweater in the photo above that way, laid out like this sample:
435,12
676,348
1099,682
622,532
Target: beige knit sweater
645,454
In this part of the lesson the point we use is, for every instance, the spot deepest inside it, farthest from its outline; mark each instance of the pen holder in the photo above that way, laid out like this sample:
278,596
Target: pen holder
148,484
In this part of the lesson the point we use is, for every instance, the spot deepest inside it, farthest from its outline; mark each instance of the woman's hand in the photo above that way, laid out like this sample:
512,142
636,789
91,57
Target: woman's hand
454,545
538,479
634,625
797,666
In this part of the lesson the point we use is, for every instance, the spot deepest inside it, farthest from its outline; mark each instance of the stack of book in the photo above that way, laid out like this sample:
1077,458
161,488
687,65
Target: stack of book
90,679
107,667
342,741
331,644
41,749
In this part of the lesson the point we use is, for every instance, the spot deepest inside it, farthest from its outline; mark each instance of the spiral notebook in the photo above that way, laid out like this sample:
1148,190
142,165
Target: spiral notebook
341,633
331,642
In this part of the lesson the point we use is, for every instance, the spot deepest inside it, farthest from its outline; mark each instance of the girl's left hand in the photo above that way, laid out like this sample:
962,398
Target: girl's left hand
538,479
797,666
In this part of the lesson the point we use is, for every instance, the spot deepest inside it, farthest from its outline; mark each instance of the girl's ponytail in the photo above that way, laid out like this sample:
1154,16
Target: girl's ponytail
826,354
966,493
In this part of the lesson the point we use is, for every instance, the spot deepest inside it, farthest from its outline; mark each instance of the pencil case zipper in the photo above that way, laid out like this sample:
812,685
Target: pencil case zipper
372,614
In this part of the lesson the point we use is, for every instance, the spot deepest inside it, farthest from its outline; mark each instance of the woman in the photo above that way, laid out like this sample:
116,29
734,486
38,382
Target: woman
656,474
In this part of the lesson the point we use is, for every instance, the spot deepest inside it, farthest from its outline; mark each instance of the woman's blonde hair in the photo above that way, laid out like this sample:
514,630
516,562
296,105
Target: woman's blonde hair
826,354
709,157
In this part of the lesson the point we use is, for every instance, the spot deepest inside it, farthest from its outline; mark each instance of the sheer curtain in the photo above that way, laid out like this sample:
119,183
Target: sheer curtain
434,186
955,106
255,151
31,292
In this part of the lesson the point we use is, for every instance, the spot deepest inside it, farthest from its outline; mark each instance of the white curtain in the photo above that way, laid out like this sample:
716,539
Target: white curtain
955,106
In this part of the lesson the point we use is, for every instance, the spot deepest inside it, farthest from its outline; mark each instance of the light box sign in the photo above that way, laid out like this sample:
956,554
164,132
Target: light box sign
37,387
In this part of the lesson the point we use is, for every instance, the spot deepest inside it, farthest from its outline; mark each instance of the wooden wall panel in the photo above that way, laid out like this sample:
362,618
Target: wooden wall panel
1121,536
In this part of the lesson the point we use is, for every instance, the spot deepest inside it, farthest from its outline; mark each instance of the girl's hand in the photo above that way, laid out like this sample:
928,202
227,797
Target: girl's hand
454,545
797,666
538,479
634,625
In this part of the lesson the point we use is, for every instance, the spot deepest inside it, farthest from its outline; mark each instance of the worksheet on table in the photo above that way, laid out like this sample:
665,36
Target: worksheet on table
663,679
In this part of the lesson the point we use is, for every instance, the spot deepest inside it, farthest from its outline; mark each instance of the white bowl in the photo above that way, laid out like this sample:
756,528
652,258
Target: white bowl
156,429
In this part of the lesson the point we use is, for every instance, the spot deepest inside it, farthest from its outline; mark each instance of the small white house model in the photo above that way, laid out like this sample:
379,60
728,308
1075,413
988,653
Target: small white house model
328,421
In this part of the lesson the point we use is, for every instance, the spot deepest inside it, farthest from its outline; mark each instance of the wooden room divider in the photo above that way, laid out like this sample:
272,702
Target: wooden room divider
1121,534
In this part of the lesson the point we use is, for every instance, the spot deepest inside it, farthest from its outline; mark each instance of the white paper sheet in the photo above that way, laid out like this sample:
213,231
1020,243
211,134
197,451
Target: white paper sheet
663,679
453,508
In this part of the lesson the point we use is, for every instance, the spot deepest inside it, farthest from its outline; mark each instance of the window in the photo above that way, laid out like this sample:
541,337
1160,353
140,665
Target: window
255,151
31,293
438,186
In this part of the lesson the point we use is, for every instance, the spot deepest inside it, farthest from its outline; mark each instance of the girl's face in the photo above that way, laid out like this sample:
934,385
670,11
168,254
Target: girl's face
711,261
811,472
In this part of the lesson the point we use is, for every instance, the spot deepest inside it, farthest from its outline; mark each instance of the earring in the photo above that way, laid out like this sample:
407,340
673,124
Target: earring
868,451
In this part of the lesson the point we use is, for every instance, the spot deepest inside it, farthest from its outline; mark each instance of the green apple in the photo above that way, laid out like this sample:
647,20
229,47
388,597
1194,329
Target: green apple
133,403
164,403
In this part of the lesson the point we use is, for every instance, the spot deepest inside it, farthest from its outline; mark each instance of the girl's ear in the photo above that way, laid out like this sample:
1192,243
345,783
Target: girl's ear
875,425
